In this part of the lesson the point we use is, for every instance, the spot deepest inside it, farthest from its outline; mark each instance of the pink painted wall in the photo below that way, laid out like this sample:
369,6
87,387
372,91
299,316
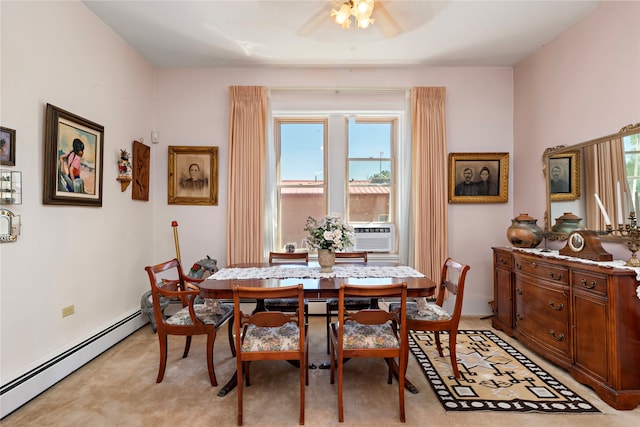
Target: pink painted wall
583,85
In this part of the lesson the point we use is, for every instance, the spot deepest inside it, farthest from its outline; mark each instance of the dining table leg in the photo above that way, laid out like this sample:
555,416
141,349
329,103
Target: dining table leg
408,385
230,385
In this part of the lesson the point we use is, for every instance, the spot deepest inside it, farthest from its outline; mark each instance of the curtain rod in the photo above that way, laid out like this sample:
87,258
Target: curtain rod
339,89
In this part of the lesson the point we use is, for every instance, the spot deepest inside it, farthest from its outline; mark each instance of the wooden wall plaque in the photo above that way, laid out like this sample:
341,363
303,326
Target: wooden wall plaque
141,167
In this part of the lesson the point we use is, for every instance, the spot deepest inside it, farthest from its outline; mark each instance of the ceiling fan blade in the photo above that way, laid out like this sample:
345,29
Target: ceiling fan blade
314,22
385,21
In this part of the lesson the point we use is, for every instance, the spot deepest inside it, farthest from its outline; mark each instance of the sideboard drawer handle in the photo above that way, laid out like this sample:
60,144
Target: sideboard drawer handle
518,266
553,276
534,265
560,336
588,285
519,316
554,307
503,261
519,291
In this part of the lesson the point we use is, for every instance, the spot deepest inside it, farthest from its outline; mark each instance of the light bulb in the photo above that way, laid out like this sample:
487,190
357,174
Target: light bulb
362,6
364,23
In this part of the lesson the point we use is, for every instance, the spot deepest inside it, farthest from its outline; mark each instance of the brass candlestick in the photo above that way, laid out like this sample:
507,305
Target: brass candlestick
631,235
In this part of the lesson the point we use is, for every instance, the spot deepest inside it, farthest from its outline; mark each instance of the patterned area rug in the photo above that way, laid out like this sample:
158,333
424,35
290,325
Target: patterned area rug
494,376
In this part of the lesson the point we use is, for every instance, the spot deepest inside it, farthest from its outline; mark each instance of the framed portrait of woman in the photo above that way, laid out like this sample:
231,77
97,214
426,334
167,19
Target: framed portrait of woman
193,175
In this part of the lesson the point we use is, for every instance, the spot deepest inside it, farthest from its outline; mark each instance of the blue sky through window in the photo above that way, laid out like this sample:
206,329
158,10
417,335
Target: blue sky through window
302,150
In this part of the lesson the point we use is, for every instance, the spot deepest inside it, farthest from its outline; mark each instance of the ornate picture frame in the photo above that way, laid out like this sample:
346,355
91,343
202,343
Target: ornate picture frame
564,176
478,177
73,155
7,146
193,175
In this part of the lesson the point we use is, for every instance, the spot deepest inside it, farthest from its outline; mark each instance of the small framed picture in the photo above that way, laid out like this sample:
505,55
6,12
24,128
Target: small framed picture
478,177
73,150
193,175
7,147
564,176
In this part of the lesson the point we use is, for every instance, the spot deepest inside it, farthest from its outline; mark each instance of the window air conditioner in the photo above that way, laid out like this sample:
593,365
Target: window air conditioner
375,237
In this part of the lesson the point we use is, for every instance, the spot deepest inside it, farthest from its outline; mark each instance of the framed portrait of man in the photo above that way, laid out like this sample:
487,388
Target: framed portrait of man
193,175
564,176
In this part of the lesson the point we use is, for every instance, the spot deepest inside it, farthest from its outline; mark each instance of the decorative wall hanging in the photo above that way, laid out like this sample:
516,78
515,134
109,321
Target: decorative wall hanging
124,169
193,175
478,177
141,167
73,150
7,146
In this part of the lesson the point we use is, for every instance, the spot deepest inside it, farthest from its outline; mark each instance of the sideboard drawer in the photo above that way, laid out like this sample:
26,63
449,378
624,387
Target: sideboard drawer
590,282
553,273
552,333
503,259
545,301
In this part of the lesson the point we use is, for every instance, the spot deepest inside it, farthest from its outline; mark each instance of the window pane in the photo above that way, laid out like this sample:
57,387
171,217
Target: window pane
301,188
369,140
301,152
295,206
370,186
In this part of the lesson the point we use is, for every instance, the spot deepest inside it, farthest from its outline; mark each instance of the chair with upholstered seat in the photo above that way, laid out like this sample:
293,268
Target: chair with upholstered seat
269,335
351,303
288,305
169,282
370,333
433,317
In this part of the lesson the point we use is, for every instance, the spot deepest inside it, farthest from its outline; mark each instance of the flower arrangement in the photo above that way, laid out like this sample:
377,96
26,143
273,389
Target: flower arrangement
329,233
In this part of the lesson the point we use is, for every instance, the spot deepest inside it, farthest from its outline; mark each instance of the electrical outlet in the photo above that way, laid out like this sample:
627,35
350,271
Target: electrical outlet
68,311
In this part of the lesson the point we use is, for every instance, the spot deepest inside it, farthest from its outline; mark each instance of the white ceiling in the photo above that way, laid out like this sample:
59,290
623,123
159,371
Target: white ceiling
296,33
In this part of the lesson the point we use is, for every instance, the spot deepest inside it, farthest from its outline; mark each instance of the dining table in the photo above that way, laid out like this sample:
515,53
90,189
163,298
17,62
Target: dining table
316,285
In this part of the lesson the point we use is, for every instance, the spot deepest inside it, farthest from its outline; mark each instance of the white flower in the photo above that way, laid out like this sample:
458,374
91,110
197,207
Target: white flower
329,233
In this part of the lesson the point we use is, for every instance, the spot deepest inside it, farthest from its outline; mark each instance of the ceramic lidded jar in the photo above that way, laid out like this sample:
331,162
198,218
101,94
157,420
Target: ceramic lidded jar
524,232
567,223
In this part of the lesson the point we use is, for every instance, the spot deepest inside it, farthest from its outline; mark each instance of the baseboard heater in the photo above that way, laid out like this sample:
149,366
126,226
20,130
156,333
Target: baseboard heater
22,389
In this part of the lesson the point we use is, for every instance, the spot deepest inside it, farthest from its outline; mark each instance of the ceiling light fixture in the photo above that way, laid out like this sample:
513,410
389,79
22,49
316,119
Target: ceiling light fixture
361,10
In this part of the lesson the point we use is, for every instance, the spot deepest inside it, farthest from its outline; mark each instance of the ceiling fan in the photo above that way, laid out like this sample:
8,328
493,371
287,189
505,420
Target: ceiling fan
381,18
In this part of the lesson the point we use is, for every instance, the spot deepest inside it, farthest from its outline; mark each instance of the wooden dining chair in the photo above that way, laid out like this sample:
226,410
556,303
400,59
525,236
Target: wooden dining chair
331,308
169,282
433,317
288,305
370,333
270,335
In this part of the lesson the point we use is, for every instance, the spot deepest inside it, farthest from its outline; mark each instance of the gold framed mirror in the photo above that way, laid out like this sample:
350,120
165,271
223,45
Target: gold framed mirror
605,169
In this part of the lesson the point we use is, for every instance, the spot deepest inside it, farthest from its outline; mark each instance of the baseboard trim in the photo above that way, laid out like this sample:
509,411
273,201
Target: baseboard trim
22,389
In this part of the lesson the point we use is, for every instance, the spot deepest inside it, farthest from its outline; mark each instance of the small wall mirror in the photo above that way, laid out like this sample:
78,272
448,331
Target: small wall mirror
7,226
608,167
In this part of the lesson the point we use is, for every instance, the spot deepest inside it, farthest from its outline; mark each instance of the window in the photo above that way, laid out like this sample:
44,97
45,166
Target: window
301,171
632,163
337,163
370,170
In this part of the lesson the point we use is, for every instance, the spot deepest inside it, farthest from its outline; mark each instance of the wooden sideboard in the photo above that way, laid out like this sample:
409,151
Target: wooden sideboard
583,317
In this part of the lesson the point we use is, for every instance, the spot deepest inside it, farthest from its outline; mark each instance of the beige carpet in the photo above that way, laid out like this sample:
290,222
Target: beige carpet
118,389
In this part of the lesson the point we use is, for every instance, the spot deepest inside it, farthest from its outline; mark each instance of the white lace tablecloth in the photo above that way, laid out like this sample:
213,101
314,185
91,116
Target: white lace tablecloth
304,272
